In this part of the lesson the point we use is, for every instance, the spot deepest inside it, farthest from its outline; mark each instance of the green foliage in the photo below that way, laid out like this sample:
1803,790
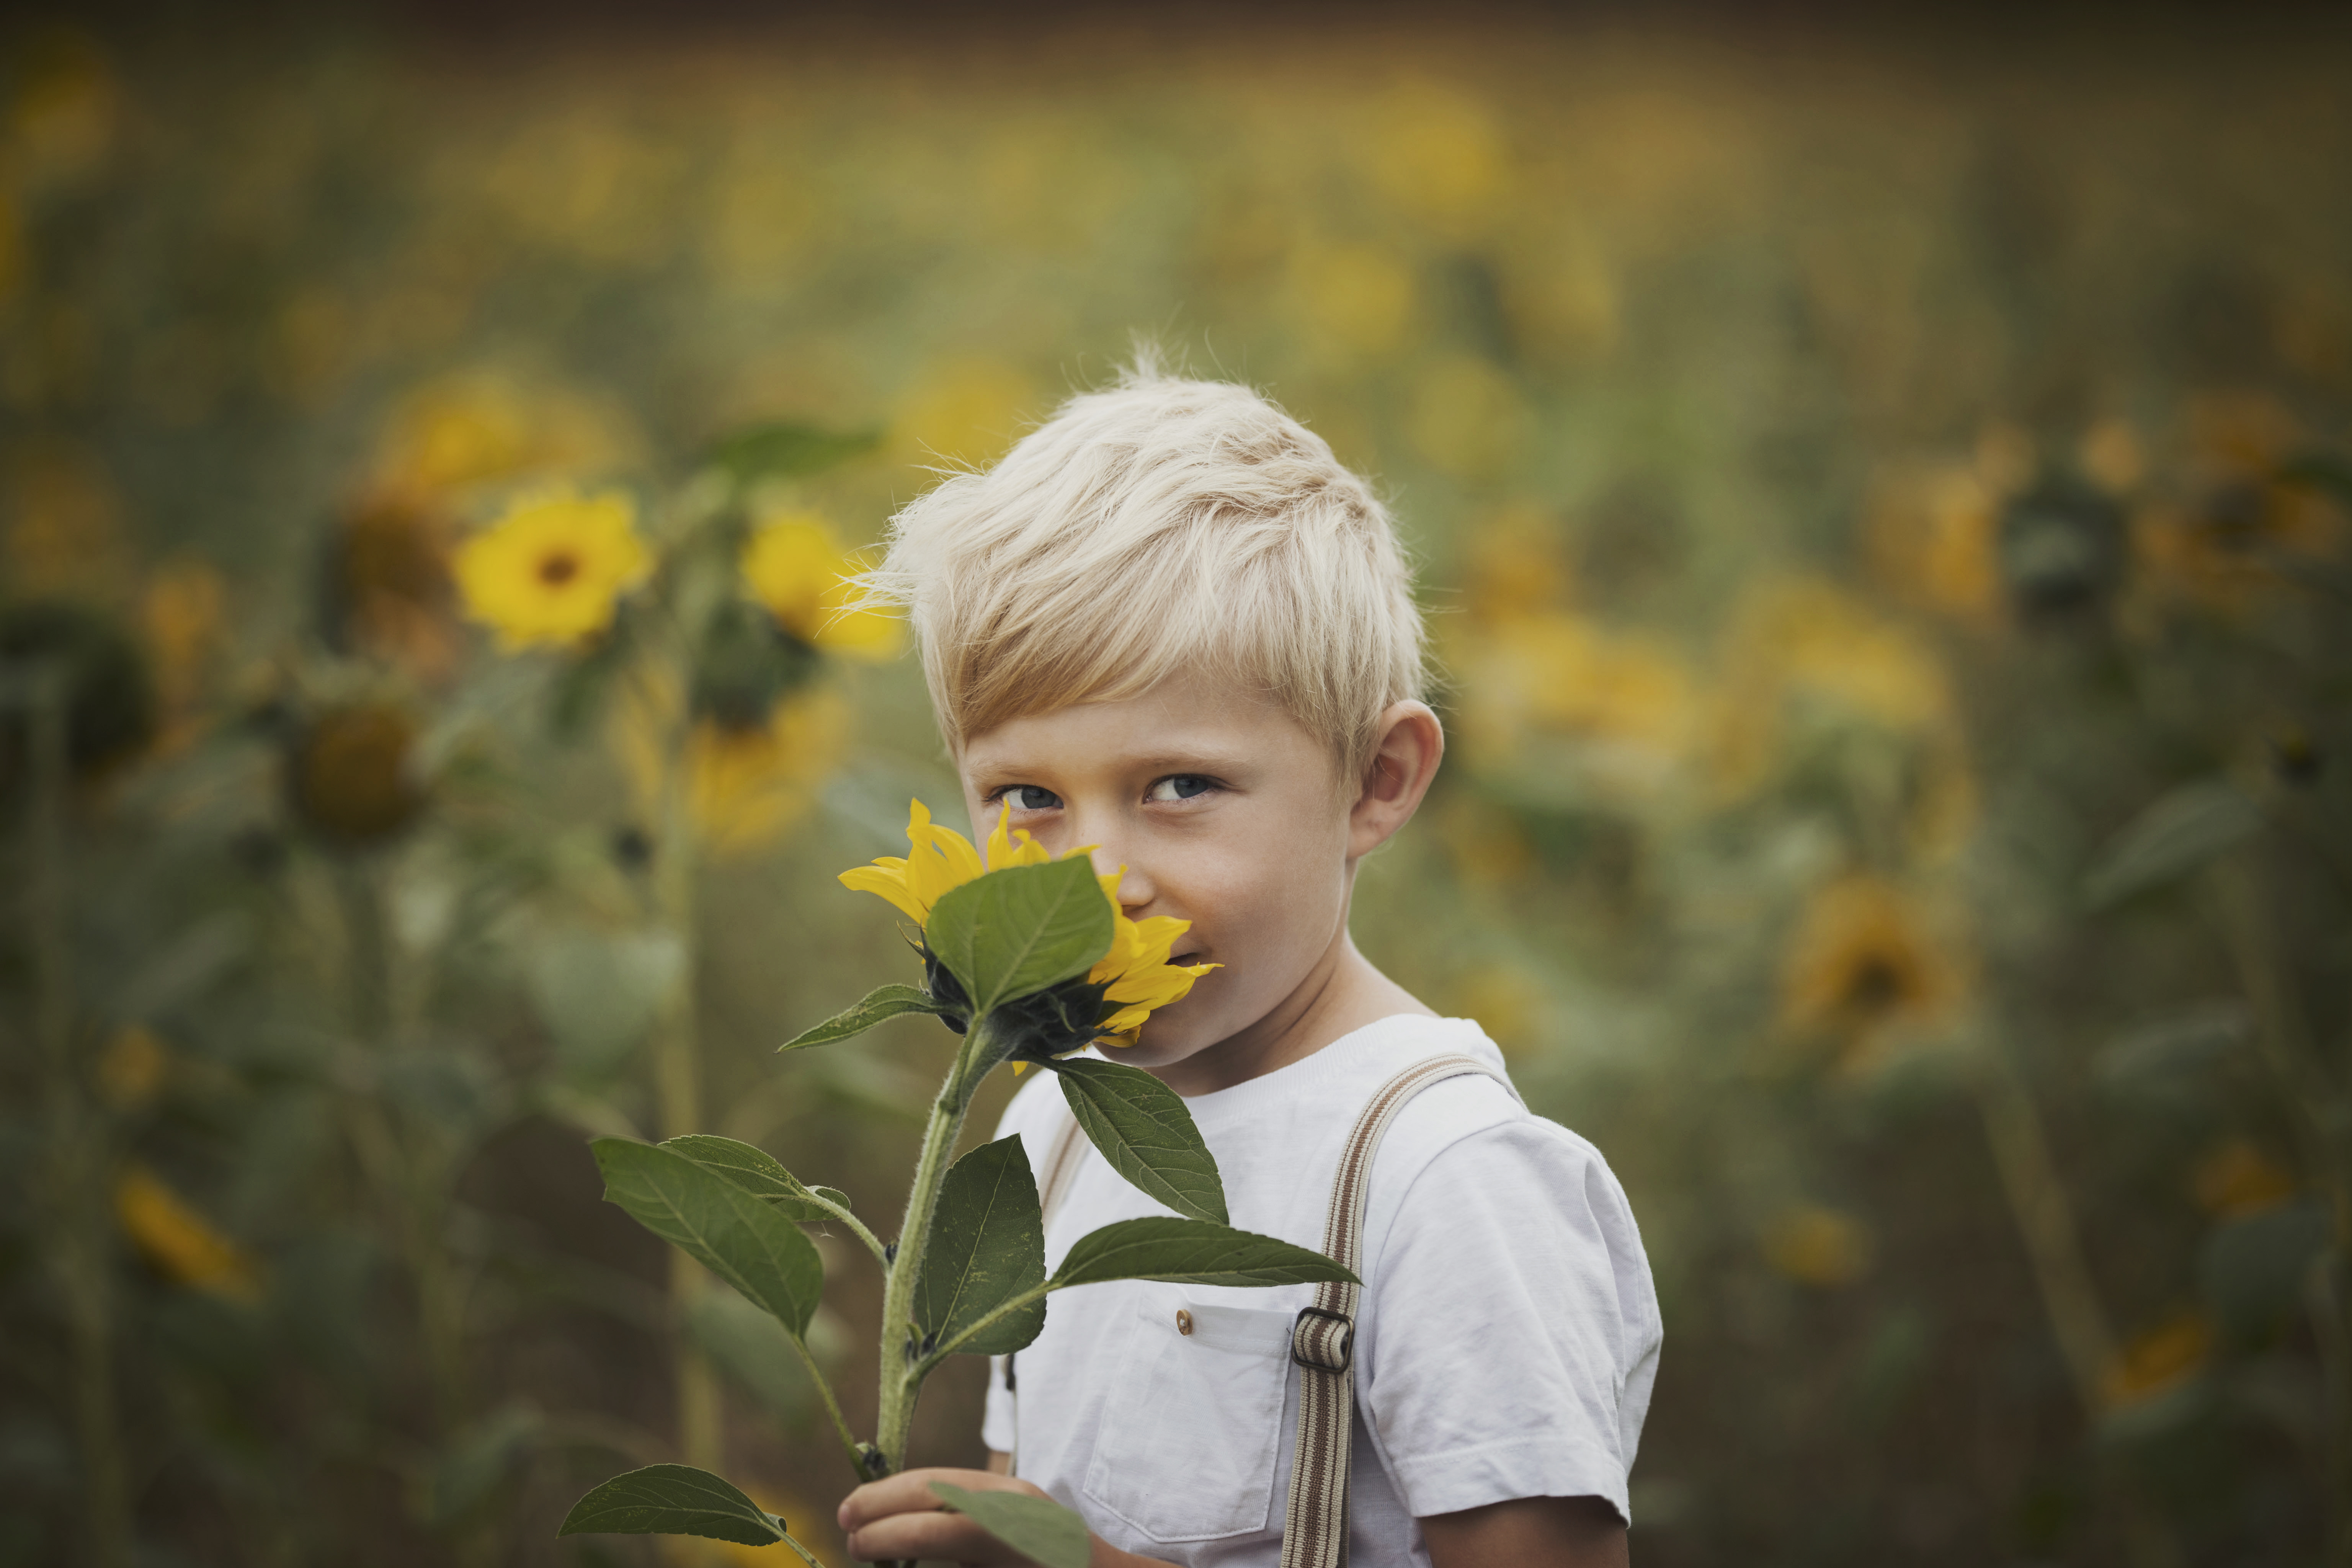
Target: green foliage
882,1002
1021,929
1191,1252
673,1500
1143,1130
760,1173
2171,839
742,1238
1035,1527
2254,1270
782,450
988,1247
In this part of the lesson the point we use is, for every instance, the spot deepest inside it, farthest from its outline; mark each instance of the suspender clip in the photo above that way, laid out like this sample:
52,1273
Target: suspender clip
1323,1340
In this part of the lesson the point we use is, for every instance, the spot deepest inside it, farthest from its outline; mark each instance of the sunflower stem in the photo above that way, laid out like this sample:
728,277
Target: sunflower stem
901,1372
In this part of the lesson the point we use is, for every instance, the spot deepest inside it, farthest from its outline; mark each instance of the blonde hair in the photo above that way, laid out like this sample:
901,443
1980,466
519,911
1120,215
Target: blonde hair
1162,524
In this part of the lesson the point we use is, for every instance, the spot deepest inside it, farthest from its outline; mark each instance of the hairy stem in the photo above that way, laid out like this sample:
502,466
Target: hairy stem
857,1228
832,1406
902,1370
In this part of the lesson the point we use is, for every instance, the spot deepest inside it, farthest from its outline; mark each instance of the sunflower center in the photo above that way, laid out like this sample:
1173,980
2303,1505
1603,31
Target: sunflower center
558,567
1876,984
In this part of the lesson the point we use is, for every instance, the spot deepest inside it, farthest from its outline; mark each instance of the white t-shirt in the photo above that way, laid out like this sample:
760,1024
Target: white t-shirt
1506,1341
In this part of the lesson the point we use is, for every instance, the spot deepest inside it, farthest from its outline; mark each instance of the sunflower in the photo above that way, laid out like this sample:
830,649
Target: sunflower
1125,986
181,1244
552,568
796,568
1862,968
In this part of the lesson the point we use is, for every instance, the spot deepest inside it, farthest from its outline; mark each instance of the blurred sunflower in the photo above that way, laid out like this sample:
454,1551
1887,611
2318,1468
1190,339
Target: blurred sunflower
110,693
482,428
1861,968
2159,1359
131,1068
179,611
552,569
2235,1178
389,588
1807,641
2250,510
182,1245
1109,1005
747,785
350,773
1817,1246
795,567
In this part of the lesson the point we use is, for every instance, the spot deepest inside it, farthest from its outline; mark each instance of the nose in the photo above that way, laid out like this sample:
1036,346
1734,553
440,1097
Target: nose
1135,888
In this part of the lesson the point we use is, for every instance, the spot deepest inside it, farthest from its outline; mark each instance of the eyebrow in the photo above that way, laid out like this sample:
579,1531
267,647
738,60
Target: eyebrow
1162,762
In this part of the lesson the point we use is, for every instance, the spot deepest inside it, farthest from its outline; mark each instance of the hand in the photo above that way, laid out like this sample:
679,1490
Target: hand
897,1519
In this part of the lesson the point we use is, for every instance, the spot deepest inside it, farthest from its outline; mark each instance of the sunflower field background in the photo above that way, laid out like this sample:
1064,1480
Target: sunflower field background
1884,502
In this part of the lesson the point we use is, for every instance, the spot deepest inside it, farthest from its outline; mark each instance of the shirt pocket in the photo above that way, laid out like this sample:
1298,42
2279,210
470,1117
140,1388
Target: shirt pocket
1187,1452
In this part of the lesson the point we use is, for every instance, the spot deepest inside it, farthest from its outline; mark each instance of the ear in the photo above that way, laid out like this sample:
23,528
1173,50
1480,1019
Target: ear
1405,756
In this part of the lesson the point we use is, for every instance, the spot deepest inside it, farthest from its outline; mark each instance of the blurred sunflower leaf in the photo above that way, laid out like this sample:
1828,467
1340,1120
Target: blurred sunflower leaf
2251,1271
477,1463
2181,832
598,992
783,450
185,968
753,1348
2175,1048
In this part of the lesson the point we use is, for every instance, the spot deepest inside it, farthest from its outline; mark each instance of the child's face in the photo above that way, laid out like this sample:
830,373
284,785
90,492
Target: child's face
1223,810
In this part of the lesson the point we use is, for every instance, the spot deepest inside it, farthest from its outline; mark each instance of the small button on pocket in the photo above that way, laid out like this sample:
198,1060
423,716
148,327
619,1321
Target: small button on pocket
1183,1321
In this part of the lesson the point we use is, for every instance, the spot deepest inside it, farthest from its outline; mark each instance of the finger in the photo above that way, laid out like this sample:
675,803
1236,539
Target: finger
929,1537
909,1491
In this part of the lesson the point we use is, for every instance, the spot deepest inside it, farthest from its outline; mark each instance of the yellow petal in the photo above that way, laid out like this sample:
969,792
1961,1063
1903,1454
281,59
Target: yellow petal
891,884
962,859
1000,839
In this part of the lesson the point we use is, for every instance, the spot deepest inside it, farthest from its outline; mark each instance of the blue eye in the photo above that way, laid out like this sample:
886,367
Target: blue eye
1181,787
1030,797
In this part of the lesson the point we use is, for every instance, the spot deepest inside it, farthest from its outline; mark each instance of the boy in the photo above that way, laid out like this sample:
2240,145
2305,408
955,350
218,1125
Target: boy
1170,625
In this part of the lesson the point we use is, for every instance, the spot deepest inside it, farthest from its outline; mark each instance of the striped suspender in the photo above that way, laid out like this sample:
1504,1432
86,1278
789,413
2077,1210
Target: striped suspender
1323,1340
1323,1337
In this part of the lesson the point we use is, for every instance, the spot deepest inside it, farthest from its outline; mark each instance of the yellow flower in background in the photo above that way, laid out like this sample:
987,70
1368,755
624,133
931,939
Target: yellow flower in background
1439,154
179,1242
2223,548
483,426
1355,298
2161,1359
552,569
795,567
1931,533
747,786
1818,1246
1468,416
965,411
131,1069
2237,1178
1864,966
181,608
1136,972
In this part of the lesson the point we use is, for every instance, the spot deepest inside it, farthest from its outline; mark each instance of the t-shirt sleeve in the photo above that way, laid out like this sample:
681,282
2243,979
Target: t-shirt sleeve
1516,1327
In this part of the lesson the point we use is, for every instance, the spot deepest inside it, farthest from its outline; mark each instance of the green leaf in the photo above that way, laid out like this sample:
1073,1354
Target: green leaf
758,1173
476,1463
2253,1271
673,1500
736,1236
2178,834
598,993
988,1245
1035,1527
1144,1131
883,1002
1011,932
781,451
1191,1252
